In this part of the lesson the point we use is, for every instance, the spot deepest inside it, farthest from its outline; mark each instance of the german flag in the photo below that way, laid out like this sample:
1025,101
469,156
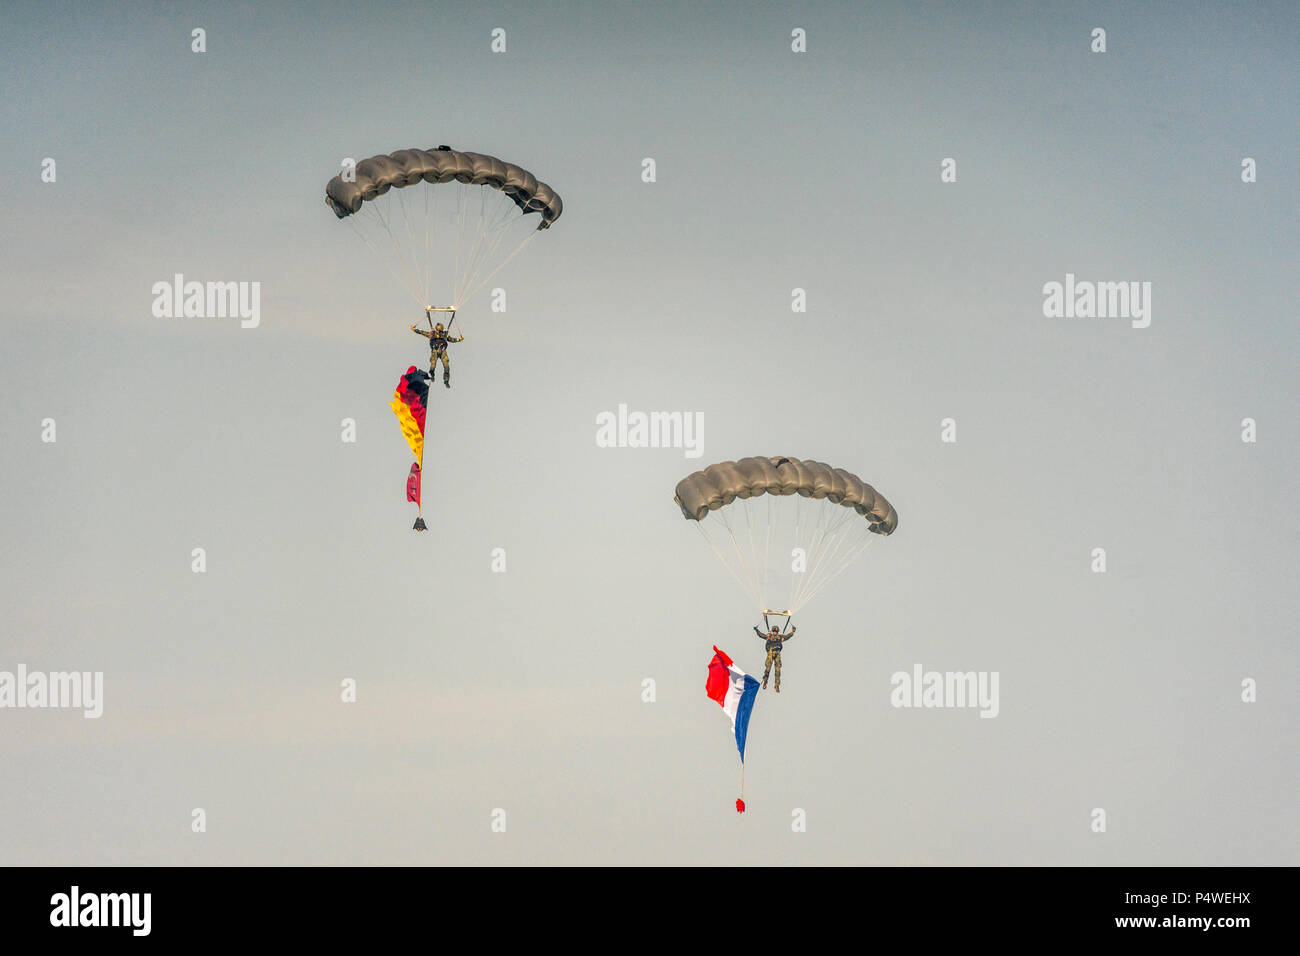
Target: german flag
413,483
409,404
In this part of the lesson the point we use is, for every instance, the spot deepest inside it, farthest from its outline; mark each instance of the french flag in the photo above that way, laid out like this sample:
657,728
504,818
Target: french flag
735,691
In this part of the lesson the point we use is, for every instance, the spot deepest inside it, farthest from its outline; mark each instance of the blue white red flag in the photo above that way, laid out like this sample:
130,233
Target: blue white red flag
735,691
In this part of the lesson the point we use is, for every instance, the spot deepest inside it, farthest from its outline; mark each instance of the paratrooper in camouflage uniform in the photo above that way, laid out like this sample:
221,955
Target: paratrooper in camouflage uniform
774,639
438,342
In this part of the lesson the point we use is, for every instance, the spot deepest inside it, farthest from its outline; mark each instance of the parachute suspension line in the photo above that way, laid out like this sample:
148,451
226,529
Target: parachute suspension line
831,539
744,568
473,249
406,254
518,249
743,564
767,545
430,210
720,556
834,569
792,518
462,254
420,227
814,553
816,548
405,257
456,280
759,574
485,251
797,539
493,230
798,543
507,219
840,568
830,565
759,582
417,268
418,255
472,238
403,281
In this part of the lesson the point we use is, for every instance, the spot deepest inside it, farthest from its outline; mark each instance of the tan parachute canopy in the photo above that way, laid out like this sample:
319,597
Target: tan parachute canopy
442,221
406,167
719,485
784,528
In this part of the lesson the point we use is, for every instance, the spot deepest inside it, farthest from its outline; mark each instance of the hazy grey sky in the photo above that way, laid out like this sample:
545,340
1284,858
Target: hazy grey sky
522,690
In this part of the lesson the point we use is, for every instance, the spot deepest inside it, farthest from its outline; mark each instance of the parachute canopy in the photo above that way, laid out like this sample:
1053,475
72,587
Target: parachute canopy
784,527
407,167
443,221
719,485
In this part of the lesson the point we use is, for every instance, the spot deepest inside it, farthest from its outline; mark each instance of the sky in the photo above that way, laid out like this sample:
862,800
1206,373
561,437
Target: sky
521,696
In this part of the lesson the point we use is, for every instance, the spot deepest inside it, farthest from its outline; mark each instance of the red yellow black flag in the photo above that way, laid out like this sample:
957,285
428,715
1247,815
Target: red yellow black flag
410,404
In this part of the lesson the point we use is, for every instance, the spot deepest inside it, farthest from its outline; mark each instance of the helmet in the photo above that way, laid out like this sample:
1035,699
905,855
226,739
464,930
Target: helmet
438,327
